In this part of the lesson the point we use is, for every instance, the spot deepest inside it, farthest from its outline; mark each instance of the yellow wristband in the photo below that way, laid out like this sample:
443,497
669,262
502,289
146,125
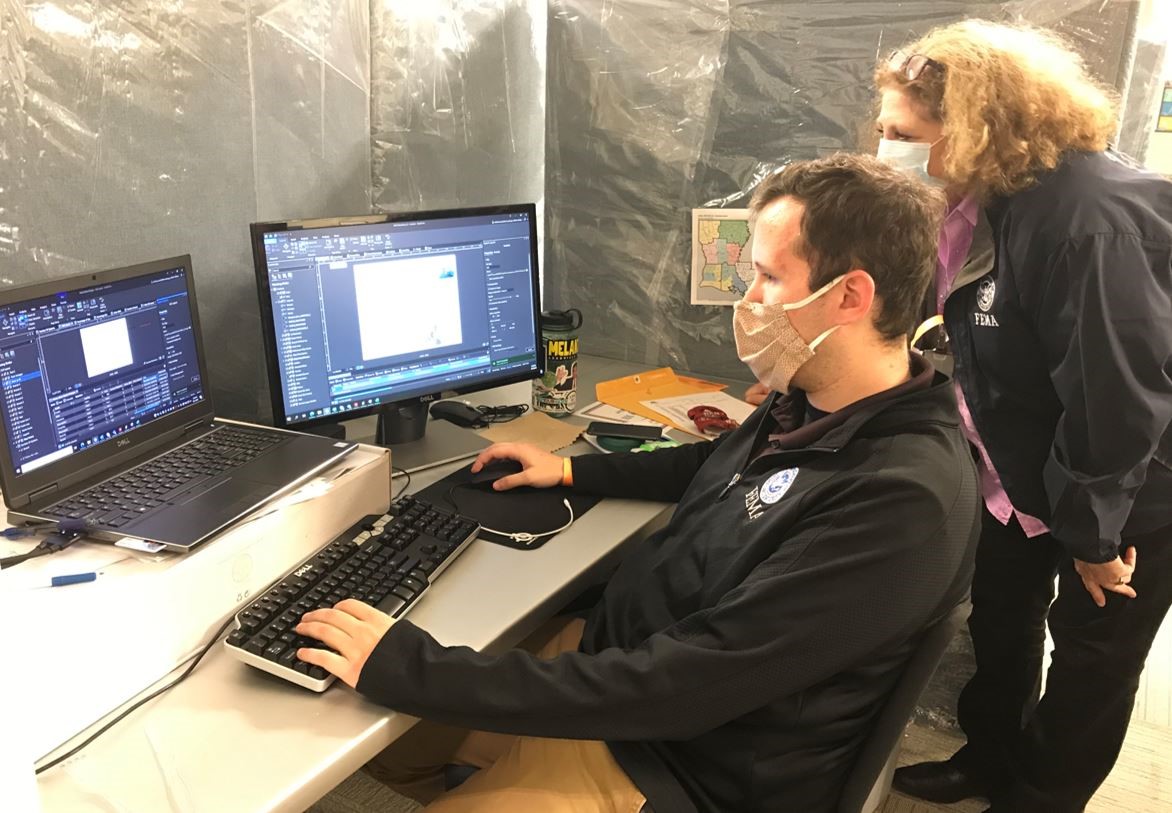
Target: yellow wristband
567,472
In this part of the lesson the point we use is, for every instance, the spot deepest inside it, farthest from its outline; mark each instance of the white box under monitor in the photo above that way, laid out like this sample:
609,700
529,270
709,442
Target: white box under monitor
89,648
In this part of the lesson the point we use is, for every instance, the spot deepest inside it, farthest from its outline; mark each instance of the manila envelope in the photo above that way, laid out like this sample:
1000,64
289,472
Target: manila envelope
627,392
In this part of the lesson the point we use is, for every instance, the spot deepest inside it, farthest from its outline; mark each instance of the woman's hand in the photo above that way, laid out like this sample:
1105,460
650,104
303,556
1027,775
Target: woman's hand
1114,576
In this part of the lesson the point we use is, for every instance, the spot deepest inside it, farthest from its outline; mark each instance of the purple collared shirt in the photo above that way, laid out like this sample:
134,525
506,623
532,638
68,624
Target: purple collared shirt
956,238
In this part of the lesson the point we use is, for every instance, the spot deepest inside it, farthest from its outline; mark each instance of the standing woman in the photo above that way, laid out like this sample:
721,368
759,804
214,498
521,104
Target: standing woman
1055,288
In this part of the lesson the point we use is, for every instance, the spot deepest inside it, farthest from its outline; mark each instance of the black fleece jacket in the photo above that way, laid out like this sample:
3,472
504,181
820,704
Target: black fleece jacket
1064,351
737,658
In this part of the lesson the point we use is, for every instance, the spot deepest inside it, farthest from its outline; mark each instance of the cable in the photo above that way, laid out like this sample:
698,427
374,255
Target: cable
27,529
501,414
150,696
523,537
13,561
406,485
67,532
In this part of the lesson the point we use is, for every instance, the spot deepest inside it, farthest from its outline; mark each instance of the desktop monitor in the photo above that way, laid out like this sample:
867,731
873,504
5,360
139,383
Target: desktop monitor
379,314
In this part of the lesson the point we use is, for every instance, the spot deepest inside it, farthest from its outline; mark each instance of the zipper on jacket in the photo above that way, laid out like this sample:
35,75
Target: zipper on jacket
736,478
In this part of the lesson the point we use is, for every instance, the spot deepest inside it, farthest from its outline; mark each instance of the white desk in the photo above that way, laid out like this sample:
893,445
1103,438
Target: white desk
231,738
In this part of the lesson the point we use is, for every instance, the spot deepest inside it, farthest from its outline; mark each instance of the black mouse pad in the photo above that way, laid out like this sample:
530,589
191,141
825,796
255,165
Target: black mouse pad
524,509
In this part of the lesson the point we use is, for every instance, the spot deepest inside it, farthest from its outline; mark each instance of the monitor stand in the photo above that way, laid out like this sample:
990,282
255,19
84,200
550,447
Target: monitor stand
418,443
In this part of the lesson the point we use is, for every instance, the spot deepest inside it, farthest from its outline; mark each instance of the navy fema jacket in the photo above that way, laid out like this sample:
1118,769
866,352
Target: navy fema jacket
738,657
1060,326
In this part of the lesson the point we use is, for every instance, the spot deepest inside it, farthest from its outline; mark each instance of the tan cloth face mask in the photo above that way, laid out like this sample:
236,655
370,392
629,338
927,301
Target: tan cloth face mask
769,343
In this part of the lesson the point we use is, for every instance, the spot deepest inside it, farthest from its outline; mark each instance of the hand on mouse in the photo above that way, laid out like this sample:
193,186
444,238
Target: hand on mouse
541,469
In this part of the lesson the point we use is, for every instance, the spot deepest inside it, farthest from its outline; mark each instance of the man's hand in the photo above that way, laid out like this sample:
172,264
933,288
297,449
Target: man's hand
1113,576
757,394
351,629
541,469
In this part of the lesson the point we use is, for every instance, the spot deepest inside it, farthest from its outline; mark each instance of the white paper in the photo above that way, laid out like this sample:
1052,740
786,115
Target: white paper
722,256
599,411
142,545
676,409
39,573
16,763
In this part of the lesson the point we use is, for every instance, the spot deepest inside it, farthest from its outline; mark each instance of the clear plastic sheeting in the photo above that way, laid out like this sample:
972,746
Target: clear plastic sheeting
141,129
1142,97
659,106
458,107
137,129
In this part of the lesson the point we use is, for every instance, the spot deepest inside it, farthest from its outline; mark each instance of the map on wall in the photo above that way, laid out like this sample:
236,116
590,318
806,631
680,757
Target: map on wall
1164,122
722,262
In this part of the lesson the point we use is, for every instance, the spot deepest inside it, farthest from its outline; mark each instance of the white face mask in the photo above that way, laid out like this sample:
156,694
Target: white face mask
911,157
769,343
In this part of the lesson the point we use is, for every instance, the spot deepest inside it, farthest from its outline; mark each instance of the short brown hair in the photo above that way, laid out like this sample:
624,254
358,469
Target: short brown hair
1012,99
862,213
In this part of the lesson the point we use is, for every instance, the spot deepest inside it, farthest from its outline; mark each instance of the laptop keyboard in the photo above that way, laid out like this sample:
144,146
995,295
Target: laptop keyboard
115,502
386,561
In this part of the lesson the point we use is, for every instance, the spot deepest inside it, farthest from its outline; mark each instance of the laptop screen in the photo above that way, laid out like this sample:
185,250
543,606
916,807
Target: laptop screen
81,368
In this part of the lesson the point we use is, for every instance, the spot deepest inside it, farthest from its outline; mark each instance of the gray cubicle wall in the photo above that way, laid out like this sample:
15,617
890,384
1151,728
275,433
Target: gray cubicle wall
658,106
133,130
458,103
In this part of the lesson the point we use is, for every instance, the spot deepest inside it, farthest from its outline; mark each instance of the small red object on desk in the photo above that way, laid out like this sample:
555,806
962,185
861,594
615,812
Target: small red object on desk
711,420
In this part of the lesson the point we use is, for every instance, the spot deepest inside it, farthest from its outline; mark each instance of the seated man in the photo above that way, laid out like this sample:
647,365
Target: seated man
737,659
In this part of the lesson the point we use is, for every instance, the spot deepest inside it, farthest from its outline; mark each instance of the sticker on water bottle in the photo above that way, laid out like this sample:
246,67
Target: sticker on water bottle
556,392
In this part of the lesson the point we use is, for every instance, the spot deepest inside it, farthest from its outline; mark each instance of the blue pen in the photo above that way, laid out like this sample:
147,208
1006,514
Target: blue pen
73,578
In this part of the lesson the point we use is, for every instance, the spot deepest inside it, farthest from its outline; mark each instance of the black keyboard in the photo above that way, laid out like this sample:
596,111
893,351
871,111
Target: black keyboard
386,561
116,501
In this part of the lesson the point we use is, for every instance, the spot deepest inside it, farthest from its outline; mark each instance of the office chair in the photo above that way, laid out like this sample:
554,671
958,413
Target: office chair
869,781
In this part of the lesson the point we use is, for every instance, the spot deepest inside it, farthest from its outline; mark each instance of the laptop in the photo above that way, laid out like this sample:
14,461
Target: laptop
108,418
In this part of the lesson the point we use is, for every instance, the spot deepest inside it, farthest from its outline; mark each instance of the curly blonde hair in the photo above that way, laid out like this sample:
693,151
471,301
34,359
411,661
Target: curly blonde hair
1012,99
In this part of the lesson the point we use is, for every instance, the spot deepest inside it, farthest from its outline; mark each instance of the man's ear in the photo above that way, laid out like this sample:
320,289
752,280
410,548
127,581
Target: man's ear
856,297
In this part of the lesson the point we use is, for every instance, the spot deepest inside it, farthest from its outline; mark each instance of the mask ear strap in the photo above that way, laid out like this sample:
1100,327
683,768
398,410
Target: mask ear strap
927,325
789,306
814,344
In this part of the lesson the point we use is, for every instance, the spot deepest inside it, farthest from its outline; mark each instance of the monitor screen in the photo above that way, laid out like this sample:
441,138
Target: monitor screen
79,368
367,311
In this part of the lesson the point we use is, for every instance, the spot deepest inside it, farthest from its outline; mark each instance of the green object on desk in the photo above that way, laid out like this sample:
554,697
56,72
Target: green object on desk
629,445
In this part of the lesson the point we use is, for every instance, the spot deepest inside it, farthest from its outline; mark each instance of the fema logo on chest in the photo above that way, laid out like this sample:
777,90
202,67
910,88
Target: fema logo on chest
986,291
769,493
776,486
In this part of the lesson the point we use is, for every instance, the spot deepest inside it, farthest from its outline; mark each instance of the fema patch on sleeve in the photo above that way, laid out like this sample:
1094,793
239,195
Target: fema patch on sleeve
776,486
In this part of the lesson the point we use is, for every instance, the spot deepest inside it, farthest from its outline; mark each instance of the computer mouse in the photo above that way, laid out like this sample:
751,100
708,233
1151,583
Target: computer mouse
494,471
458,412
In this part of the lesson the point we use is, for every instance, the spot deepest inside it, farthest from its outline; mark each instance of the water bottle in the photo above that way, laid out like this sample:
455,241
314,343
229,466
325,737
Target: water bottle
556,392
